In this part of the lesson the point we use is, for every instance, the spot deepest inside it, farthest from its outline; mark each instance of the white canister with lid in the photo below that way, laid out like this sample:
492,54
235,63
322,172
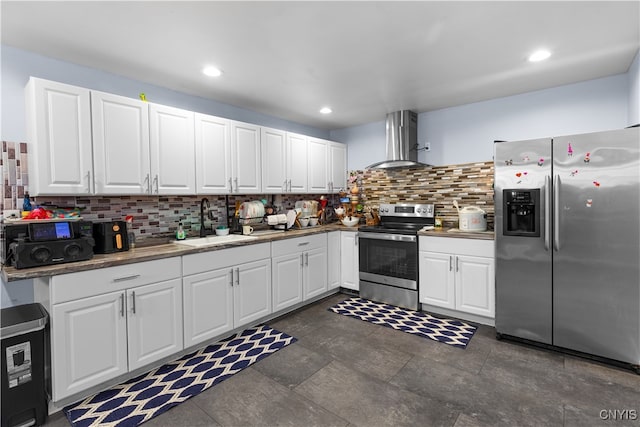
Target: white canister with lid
472,218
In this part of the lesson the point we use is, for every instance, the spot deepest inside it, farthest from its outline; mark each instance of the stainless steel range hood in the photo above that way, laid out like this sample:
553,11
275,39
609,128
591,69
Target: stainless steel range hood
402,141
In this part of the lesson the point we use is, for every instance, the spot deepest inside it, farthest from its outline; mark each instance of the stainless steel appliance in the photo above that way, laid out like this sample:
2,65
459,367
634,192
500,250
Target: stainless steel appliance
388,254
567,242
402,141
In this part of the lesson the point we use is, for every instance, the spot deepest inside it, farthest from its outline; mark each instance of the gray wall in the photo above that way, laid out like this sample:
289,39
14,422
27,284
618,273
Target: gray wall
466,133
18,65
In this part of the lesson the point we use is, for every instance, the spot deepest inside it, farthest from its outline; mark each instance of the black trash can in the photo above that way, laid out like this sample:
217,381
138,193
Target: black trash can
23,334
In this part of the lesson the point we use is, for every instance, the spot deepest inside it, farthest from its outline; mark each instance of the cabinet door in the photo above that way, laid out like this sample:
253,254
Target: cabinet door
349,265
333,260
297,163
120,144
252,292
338,166
88,343
59,134
213,155
274,161
475,285
246,163
287,280
154,322
172,150
208,305
315,265
318,165
436,279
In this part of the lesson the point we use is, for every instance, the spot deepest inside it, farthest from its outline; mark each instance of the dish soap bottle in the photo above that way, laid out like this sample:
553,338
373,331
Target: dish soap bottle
180,234
26,203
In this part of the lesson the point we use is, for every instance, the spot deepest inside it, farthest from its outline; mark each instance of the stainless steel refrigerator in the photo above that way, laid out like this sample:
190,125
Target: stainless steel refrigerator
567,242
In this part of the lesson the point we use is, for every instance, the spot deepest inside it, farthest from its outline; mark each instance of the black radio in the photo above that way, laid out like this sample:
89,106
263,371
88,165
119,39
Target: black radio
37,243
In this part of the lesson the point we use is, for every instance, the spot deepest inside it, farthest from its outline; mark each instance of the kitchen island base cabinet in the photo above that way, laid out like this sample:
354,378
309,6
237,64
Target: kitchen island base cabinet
225,289
458,275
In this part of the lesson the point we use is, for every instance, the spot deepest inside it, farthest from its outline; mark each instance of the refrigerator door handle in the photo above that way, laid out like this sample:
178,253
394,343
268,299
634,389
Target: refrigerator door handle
556,213
547,211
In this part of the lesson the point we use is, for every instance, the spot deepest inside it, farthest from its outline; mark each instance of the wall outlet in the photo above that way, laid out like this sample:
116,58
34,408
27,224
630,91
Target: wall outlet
427,146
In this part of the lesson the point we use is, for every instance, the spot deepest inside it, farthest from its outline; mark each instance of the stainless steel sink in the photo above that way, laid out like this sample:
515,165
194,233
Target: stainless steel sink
214,240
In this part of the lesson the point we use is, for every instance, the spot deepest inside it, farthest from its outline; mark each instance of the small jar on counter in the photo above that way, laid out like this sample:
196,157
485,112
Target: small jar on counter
438,222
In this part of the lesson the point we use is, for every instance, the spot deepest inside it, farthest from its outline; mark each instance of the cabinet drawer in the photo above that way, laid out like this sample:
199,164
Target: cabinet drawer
298,244
473,247
68,287
213,260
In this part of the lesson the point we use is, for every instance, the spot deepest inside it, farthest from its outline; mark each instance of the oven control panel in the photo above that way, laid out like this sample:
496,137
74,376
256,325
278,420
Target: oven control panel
409,210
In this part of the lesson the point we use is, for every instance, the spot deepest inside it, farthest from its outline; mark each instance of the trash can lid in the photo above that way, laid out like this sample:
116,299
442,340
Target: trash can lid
22,319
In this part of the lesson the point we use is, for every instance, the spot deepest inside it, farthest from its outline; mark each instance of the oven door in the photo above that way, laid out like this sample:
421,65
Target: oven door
390,259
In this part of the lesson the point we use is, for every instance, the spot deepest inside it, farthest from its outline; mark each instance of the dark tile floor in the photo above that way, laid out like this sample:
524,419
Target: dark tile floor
346,372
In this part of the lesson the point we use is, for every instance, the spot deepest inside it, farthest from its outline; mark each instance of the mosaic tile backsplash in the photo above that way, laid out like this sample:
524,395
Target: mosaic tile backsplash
158,216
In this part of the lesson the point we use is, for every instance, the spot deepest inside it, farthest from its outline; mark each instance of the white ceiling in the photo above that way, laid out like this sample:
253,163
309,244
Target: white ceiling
364,59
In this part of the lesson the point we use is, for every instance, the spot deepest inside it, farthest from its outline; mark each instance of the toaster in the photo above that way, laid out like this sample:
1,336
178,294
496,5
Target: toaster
110,237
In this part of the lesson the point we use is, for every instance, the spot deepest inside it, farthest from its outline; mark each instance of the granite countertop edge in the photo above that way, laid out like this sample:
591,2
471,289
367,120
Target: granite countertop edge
456,233
164,249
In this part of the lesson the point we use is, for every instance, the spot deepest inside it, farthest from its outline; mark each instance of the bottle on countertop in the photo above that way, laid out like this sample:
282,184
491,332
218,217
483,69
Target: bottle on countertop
180,234
26,204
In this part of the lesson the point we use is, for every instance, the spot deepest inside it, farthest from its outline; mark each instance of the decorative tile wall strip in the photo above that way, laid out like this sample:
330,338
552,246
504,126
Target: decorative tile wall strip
158,216
469,183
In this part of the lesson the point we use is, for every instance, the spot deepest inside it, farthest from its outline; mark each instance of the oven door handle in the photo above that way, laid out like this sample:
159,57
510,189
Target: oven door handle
382,236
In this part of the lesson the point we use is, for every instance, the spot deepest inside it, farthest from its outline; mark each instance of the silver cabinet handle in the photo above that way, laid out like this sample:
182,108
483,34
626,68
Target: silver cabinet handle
122,304
303,244
450,262
237,276
284,186
457,262
301,260
547,212
230,186
157,184
125,278
306,259
289,186
133,302
355,239
556,213
89,182
231,272
148,181
236,181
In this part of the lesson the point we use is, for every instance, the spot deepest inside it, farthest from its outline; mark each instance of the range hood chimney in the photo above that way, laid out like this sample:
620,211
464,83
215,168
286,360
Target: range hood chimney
402,141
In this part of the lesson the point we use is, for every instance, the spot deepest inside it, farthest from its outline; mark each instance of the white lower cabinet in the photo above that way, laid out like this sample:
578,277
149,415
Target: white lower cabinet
349,265
225,289
107,322
333,260
458,274
299,269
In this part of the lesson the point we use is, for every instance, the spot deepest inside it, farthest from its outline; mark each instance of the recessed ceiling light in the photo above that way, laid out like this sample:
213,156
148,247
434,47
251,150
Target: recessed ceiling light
211,71
326,110
539,55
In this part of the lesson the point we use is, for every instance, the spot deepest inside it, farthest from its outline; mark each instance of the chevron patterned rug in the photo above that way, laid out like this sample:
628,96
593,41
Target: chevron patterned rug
448,331
142,398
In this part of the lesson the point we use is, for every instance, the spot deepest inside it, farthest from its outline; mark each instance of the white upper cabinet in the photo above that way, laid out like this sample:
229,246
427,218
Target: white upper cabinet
318,165
172,150
120,144
326,166
213,155
297,147
284,162
59,136
274,161
245,158
337,166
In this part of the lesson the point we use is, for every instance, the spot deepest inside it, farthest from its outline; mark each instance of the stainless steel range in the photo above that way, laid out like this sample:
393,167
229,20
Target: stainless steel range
388,254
